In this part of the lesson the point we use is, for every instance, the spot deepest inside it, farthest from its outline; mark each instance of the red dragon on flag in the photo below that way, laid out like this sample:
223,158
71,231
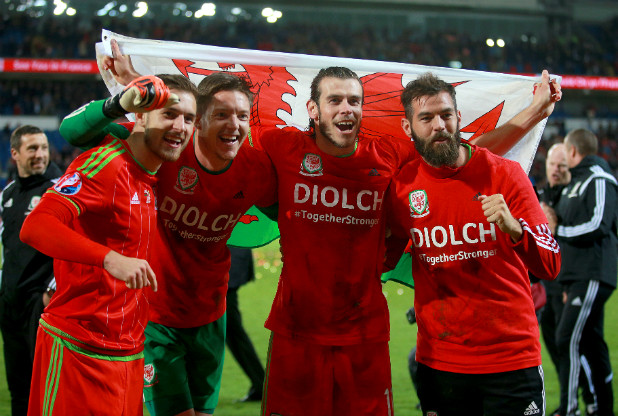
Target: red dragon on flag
281,83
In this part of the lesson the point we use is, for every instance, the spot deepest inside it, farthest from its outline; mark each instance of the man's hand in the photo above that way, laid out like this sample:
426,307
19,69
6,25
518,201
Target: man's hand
120,65
497,212
546,94
143,94
136,273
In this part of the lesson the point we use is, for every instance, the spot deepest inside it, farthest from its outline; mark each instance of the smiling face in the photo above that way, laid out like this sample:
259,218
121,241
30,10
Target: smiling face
223,128
434,126
338,114
168,130
32,157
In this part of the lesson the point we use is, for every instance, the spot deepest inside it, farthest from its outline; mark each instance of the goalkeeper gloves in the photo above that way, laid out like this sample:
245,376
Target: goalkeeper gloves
143,94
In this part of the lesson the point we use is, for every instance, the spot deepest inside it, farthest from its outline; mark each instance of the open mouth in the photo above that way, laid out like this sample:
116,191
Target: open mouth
345,126
173,141
228,139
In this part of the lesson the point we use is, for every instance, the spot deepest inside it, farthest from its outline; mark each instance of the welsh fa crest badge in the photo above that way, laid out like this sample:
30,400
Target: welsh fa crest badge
419,205
187,179
311,165
149,375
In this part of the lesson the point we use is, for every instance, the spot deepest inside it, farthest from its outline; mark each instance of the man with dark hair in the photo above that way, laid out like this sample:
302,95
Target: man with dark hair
200,198
26,272
586,231
329,306
476,229
99,224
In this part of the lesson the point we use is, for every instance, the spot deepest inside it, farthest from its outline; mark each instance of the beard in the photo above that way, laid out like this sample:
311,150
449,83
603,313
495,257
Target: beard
444,154
329,132
164,153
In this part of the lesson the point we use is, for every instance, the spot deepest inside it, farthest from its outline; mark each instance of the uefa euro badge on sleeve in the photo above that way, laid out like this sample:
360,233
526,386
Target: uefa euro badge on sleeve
69,184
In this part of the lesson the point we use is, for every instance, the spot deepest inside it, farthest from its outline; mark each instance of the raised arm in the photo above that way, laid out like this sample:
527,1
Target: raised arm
120,65
501,139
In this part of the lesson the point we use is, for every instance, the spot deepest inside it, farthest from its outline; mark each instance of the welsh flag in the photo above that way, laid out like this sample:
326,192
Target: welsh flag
281,83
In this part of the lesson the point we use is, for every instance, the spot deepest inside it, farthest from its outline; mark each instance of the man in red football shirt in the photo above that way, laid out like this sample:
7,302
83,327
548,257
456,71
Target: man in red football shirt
476,229
98,223
201,196
329,308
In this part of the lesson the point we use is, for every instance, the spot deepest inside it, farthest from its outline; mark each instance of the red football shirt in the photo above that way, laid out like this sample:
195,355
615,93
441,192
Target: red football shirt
114,202
472,292
197,212
332,237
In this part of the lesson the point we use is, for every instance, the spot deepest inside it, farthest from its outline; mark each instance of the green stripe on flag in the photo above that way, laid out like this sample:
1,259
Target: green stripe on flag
402,273
253,230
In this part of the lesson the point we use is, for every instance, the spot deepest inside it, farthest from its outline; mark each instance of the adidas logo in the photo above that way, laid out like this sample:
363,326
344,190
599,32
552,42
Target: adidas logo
135,199
239,195
476,197
532,409
374,172
576,302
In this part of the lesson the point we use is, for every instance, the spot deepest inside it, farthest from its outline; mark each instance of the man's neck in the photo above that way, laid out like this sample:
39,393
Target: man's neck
208,159
144,156
328,147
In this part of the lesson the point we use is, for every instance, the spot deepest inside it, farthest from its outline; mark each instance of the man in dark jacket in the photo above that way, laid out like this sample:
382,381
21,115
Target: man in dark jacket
586,232
558,176
26,273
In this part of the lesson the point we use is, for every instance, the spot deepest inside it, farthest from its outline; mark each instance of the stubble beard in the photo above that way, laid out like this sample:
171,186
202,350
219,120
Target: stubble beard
166,155
328,135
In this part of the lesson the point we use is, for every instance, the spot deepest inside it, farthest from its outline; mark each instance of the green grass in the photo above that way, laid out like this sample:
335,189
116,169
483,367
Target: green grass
255,300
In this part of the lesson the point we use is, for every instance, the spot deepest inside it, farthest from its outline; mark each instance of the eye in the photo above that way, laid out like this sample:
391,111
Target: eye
243,117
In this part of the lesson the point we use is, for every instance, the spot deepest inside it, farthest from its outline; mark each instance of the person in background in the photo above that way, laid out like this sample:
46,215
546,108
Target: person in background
558,176
586,230
237,339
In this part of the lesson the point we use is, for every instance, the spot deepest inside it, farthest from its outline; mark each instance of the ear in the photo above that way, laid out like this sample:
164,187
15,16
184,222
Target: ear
458,117
313,110
14,154
198,123
140,119
407,127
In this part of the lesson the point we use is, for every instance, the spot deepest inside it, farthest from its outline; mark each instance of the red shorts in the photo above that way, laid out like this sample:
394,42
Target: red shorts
308,379
67,382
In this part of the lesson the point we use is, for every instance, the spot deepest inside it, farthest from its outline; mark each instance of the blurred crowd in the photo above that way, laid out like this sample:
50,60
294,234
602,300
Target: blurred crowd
582,50
587,50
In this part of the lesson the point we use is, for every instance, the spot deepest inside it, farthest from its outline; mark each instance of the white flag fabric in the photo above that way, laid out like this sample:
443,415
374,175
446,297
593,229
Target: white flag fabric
281,82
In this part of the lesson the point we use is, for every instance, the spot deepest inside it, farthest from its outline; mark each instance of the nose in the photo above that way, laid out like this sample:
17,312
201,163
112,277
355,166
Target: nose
345,107
438,124
234,122
179,123
40,153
